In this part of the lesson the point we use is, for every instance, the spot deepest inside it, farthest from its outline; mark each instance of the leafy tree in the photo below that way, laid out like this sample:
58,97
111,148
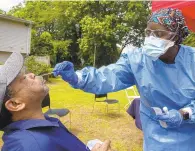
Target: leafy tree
79,30
41,45
190,40
2,11
36,67
112,23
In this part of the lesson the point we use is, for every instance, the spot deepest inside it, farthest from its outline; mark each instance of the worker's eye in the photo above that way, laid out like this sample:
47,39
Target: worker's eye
159,34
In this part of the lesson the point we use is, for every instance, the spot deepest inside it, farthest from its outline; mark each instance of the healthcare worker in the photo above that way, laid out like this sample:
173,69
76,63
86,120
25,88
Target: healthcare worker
163,71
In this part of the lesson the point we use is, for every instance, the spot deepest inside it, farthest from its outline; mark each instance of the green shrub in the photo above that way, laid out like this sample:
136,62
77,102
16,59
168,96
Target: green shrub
190,40
35,67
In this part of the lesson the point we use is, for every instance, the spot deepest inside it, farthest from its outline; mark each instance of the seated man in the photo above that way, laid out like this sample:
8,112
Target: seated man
25,126
133,111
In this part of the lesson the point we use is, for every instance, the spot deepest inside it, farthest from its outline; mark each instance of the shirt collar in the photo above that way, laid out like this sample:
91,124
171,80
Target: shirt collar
32,123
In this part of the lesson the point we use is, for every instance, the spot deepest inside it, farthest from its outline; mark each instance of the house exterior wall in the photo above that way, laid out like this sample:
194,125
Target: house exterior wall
14,37
4,56
43,59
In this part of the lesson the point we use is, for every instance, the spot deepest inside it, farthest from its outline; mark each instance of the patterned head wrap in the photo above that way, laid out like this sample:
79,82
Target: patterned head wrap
173,20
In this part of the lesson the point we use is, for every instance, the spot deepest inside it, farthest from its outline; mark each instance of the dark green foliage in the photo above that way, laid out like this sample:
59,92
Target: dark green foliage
74,31
190,40
36,67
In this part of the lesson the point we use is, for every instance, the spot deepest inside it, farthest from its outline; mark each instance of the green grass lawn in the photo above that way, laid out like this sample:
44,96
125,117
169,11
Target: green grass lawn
118,127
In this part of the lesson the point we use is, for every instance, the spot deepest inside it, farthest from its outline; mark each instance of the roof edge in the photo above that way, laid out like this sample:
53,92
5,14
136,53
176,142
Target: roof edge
8,17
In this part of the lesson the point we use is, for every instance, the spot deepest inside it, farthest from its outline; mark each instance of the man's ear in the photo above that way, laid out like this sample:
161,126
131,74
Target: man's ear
14,105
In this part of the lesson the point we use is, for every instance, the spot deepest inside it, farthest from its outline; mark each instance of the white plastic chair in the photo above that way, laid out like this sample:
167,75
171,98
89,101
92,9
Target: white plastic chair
131,97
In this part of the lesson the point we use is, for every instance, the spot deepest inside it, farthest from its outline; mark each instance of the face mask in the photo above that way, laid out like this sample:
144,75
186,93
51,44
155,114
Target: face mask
155,47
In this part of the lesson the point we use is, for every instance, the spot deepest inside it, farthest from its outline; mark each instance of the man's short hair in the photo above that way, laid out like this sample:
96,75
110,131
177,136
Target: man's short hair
5,115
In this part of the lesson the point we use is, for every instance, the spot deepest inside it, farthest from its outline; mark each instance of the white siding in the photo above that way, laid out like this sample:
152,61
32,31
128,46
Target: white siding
14,36
4,56
43,59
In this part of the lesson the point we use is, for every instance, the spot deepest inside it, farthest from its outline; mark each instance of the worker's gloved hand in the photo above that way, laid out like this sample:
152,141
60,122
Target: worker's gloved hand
173,119
66,70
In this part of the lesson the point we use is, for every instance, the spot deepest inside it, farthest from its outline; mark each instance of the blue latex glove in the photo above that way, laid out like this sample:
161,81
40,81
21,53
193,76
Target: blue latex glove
173,119
66,70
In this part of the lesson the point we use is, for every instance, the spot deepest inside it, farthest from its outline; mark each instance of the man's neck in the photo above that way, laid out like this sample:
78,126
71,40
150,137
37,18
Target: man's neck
25,115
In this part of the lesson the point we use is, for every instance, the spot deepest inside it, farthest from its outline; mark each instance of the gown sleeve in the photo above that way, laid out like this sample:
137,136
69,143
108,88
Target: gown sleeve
113,77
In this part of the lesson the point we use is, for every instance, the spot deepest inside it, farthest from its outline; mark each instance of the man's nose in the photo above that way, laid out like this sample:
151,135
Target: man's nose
31,75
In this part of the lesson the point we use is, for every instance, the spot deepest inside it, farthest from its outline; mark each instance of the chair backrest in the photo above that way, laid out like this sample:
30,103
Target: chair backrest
132,89
46,101
97,96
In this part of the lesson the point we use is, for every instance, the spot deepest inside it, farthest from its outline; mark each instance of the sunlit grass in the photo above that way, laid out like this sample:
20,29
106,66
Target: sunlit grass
118,127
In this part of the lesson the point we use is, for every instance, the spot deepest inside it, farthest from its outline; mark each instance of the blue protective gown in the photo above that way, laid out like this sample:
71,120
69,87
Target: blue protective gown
159,85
